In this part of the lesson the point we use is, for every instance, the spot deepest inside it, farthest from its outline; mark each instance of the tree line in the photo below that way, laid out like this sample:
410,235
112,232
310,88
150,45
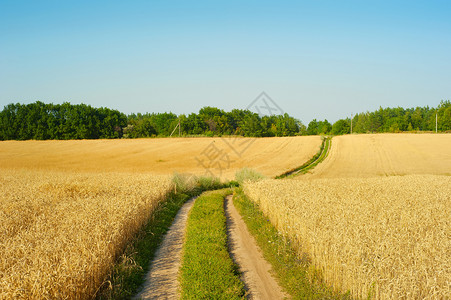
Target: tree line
41,121
212,121
389,120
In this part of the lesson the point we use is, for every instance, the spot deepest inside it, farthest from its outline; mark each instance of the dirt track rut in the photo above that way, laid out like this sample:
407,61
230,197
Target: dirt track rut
246,253
162,280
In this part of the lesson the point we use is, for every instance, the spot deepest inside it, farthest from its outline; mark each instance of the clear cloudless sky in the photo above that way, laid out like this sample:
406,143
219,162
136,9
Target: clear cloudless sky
315,59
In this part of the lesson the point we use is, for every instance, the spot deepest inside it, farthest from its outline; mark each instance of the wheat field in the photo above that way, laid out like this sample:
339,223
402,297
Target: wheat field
68,208
388,237
60,232
371,155
221,156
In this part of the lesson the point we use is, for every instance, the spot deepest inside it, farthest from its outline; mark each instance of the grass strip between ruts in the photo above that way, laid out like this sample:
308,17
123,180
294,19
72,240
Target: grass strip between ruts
297,276
207,270
313,162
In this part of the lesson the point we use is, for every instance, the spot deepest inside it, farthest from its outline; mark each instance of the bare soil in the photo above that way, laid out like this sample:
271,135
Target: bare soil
246,253
162,279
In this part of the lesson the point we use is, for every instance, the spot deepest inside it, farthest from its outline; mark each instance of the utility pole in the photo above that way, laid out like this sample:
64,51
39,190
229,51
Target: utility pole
180,129
351,123
436,122
178,125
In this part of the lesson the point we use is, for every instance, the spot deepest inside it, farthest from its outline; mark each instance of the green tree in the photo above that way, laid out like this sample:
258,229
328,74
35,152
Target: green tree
312,128
324,127
341,127
251,126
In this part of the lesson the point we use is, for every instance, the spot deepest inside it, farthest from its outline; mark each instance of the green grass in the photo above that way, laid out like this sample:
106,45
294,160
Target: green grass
313,162
297,276
207,270
247,174
128,273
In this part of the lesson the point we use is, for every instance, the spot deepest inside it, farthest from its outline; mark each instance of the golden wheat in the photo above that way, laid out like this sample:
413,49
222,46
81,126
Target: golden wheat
387,237
371,155
224,156
60,232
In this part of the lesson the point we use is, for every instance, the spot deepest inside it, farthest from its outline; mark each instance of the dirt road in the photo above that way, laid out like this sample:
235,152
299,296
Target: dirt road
246,253
162,280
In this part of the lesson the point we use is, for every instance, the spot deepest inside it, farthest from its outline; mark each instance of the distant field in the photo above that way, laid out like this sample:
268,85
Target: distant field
388,237
60,232
222,157
372,155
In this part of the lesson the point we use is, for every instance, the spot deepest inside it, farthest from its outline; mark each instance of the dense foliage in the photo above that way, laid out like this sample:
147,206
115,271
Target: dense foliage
65,121
42,121
397,120
212,121
388,120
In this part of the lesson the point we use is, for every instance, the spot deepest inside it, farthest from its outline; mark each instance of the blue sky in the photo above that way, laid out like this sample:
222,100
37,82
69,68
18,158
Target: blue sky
315,59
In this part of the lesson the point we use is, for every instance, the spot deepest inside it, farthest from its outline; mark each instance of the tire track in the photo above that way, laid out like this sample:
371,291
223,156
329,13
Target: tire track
245,252
162,279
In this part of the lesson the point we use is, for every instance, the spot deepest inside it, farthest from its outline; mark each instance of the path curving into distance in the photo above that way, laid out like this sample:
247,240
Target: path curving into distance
315,160
162,279
248,256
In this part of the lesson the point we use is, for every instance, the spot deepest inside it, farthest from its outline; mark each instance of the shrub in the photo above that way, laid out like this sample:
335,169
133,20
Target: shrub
246,175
